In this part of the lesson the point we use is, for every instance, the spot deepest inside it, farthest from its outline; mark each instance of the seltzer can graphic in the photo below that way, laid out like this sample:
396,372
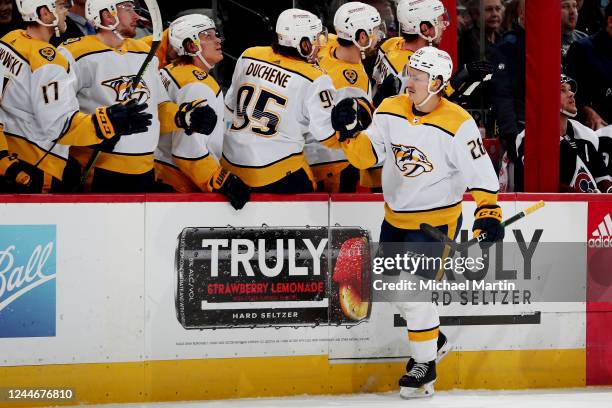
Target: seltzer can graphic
272,276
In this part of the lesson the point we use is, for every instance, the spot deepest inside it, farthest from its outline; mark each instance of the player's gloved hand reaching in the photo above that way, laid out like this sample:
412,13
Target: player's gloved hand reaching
390,86
195,116
14,171
231,186
487,224
471,72
121,119
350,116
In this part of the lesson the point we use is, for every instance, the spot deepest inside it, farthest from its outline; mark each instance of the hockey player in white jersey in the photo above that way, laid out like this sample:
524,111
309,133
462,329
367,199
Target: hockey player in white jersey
39,107
358,28
421,23
105,65
431,153
189,163
276,97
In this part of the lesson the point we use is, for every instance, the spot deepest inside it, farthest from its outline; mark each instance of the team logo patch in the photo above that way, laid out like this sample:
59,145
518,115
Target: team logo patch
122,85
200,75
71,40
47,53
411,161
350,75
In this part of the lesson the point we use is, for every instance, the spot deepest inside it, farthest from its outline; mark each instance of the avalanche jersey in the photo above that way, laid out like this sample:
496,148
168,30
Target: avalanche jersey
583,162
187,162
350,80
103,77
605,145
39,108
429,160
274,101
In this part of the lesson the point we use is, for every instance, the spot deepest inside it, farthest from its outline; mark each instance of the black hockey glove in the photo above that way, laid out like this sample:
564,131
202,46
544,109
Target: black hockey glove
194,116
121,119
468,74
389,87
232,187
350,116
487,225
15,172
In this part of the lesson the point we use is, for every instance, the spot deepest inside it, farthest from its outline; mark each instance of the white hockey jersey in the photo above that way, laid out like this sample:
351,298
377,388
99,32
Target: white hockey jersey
275,101
390,60
350,81
104,76
429,161
187,162
39,108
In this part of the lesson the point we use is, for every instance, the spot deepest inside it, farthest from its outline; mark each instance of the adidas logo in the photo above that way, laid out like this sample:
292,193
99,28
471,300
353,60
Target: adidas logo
602,235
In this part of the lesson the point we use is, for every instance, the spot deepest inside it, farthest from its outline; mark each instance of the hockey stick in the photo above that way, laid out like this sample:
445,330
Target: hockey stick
459,247
158,30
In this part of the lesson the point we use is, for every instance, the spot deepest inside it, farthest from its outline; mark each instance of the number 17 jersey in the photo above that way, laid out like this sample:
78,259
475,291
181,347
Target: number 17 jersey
274,101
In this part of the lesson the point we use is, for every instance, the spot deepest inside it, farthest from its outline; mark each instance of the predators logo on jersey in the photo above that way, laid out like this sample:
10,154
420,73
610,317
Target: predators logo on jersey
200,75
122,85
411,161
48,53
350,75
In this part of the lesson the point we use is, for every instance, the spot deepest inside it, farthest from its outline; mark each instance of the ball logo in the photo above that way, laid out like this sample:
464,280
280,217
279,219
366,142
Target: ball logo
601,236
411,161
27,280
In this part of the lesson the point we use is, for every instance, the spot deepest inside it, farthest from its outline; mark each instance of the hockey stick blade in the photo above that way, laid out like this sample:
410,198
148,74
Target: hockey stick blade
442,237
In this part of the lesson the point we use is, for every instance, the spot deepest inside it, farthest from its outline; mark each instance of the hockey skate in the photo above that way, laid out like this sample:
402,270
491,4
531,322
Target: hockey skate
444,347
419,382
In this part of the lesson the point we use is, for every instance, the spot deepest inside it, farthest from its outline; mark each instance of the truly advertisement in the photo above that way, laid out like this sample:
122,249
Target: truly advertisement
27,280
272,276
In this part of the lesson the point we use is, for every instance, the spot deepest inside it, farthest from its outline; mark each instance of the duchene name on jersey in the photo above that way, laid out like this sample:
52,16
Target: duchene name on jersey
269,74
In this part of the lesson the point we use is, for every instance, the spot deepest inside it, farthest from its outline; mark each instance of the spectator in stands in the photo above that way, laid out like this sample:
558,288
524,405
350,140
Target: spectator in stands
9,18
582,169
590,16
464,21
590,63
569,34
508,84
469,43
510,15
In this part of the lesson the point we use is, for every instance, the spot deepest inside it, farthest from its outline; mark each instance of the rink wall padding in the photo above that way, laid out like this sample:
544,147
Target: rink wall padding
91,299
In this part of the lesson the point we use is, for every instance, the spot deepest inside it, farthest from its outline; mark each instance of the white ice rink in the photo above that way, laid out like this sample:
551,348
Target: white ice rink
592,397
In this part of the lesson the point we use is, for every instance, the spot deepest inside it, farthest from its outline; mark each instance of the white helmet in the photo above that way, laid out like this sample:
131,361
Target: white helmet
93,9
189,27
29,12
354,16
411,13
293,25
436,63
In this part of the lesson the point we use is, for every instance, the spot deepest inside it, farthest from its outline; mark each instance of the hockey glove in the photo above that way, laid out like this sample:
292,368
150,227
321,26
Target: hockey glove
196,117
350,116
14,171
121,119
487,225
389,87
475,71
232,187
